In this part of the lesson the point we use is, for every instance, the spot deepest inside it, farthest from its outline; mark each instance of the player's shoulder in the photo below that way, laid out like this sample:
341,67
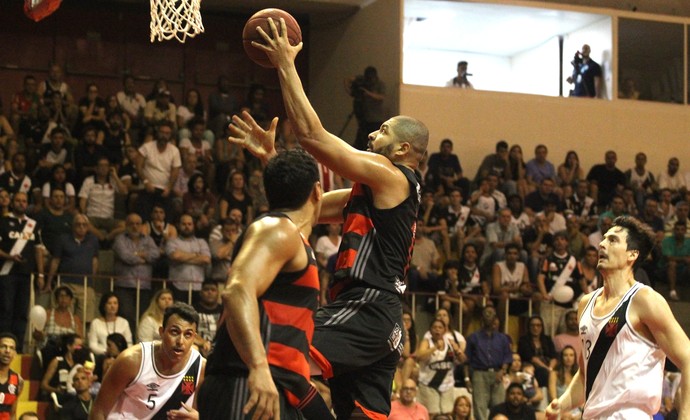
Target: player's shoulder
648,298
272,225
584,301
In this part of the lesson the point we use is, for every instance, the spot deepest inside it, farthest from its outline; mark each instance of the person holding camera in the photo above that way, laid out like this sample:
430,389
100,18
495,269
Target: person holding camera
460,81
586,75
368,93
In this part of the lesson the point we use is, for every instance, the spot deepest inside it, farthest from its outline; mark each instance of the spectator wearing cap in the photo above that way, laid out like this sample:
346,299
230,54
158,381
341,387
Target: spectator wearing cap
161,108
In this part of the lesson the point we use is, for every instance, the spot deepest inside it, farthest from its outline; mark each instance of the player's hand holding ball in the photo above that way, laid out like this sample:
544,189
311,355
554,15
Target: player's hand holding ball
272,37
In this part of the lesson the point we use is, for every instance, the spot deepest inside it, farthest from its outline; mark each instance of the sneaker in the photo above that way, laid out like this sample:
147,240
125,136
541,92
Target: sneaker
673,295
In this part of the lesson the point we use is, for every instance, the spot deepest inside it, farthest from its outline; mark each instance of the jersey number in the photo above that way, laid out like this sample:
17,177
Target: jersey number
153,402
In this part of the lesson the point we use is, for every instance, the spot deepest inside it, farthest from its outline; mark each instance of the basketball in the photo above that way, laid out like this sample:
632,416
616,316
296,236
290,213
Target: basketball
260,18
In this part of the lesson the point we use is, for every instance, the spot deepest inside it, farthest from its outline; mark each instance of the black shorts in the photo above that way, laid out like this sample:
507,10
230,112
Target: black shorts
361,336
222,397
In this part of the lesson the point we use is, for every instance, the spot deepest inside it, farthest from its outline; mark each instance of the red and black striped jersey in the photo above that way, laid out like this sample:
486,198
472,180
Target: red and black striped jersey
9,392
377,243
286,312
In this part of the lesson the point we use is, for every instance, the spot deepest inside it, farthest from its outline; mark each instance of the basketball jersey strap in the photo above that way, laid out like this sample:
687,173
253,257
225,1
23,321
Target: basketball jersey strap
187,387
606,338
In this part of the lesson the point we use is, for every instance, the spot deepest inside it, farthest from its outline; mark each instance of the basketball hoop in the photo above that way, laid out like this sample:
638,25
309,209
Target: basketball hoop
177,19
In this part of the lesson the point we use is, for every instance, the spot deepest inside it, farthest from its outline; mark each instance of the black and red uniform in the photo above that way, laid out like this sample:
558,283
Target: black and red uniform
9,392
286,313
359,335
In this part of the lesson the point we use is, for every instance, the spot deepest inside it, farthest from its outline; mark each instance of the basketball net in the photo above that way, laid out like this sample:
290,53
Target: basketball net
177,19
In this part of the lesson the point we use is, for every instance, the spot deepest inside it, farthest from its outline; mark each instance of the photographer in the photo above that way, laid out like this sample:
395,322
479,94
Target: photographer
586,75
460,81
368,93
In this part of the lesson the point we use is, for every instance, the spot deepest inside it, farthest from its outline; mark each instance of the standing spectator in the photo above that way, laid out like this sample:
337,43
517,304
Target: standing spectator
236,196
25,103
133,103
460,81
641,180
222,249
515,406
108,323
189,257
586,75
407,408
16,179
92,112
673,179
54,220
77,254
135,254
161,109
57,152
539,168
55,84
21,251
368,94
606,179
158,167
676,252
152,319
571,336
445,171
11,383
488,355
510,280
97,200
537,348
209,309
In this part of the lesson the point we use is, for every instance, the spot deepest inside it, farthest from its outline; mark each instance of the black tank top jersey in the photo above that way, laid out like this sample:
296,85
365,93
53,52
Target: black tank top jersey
157,237
9,392
377,244
286,312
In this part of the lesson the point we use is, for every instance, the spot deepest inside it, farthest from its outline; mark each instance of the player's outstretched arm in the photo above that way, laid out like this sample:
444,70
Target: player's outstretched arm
270,246
248,134
121,374
371,169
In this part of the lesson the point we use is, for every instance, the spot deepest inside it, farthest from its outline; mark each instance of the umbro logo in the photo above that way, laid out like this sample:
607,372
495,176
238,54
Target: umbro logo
583,330
152,387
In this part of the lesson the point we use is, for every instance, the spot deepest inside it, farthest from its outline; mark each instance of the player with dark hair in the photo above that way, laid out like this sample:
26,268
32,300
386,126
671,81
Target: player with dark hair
259,365
358,337
11,383
627,330
155,380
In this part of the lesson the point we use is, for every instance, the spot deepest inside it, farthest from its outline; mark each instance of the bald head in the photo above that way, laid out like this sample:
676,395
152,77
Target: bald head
413,131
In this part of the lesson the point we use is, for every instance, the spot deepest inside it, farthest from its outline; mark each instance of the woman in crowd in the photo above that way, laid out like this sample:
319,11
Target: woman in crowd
115,344
569,172
516,170
462,408
58,179
537,348
91,112
523,373
4,202
192,110
561,376
108,323
152,319
59,366
60,320
112,106
200,203
237,197
469,282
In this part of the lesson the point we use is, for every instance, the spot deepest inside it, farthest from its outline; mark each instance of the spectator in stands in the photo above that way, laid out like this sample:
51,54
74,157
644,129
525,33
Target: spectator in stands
59,320
561,376
539,168
445,171
181,186
586,75
595,237
12,382
209,309
606,179
158,166
77,254
460,226
130,177
21,252
640,179
115,344
499,234
116,138
488,355
68,356
462,408
161,232
517,170
152,319
510,279
682,209
197,144
559,284
237,196
523,374
92,112
583,206
515,406
25,103
255,104
57,152
673,179
577,241
189,257
192,110
484,205
108,323
54,84
16,179
460,80
112,106
133,103
519,216
161,109
497,163
58,179
432,215
570,337
135,253
87,153
54,220
569,173
200,203
222,247
424,265
535,201
221,106
538,241
78,407
590,273
676,252
159,86
629,198
407,407
465,280
7,134
616,208
5,201
97,200
537,348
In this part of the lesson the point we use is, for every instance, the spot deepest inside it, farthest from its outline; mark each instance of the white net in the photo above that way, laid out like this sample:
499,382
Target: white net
177,19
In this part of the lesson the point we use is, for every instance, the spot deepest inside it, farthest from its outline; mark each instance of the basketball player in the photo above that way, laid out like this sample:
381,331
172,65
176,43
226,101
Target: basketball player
11,383
155,380
359,335
259,365
627,329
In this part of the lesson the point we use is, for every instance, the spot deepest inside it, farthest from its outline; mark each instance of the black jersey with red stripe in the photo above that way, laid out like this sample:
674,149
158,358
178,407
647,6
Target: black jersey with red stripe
377,243
9,392
286,312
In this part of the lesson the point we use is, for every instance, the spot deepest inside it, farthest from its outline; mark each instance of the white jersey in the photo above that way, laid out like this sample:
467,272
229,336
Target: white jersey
514,278
151,394
437,372
623,370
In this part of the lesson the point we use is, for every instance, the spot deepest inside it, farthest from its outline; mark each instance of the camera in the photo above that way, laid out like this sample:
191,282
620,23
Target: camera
356,87
577,60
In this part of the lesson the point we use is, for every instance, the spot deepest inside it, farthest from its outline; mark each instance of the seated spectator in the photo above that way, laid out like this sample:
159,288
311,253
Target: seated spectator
152,320
484,205
676,255
551,215
515,406
497,163
116,138
92,111
108,323
97,200
236,196
56,373
569,173
209,309
434,224
60,320
465,280
597,236
189,257
535,202
255,104
424,264
577,241
591,277
16,179
460,226
510,279
500,234
571,336
133,104
161,108
196,142
86,155
617,208
537,348
78,407
640,179
25,103
200,203
523,374
517,170
135,255
115,344
58,179
407,407
57,152
519,216
445,171
181,185
462,408
130,177
539,169
112,106
583,206
77,254
191,109
560,378
666,207
222,248
680,215
606,179
673,179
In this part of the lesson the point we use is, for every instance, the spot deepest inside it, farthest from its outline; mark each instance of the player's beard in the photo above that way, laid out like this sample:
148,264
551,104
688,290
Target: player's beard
386,151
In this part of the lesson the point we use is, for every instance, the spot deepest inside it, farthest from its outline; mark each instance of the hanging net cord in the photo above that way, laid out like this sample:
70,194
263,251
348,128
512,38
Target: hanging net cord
175,19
